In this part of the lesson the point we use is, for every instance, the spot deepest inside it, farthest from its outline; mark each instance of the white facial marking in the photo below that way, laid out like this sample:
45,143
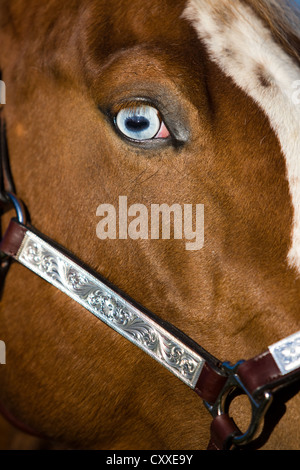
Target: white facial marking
239,42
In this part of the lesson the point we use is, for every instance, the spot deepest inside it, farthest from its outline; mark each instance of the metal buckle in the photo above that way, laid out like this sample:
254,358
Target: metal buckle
259,404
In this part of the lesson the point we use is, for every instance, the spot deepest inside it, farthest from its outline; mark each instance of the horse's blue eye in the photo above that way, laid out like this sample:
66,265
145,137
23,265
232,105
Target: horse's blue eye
139,122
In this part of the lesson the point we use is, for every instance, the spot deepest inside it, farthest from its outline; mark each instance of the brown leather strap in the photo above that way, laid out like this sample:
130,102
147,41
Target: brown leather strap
210,384
222,430
260,371
6,180
13,238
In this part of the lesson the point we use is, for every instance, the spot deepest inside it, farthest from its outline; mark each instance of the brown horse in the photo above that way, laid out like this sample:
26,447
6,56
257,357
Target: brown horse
84,81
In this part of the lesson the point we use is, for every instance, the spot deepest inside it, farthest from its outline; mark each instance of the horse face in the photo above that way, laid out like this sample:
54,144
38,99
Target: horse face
72,73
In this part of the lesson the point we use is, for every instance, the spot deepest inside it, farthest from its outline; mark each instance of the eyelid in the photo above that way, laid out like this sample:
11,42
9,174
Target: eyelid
132,103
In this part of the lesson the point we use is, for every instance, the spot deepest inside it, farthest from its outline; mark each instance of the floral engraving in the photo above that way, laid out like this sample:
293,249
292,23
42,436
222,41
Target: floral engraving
287,353
107,305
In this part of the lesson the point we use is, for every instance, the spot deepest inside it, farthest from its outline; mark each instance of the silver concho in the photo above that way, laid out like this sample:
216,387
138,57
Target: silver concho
111,308
286,353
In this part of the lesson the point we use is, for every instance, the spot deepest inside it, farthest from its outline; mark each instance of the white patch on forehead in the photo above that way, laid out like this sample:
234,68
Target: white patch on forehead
243,47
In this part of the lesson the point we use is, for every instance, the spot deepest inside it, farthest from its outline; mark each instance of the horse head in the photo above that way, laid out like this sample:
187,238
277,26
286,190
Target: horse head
189,103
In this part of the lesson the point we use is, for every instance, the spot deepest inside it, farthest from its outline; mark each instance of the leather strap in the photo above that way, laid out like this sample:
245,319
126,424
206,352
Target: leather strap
222,431
210,384
12,240
260,371
6,180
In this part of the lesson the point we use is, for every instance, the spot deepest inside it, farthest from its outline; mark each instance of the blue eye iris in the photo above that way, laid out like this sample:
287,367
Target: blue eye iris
139,123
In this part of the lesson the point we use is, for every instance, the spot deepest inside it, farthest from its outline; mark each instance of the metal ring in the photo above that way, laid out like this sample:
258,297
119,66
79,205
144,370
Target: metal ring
259,405
19,208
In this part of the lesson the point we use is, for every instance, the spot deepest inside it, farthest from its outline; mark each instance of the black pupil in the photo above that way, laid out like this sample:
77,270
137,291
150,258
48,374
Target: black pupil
137,123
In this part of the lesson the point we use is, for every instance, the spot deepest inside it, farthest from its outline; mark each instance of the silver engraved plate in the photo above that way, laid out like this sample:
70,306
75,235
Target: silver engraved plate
286,353
111,308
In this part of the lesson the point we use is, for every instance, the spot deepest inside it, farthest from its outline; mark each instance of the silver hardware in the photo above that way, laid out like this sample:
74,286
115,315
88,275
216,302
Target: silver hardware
259,405
286,353
18,206
59,270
